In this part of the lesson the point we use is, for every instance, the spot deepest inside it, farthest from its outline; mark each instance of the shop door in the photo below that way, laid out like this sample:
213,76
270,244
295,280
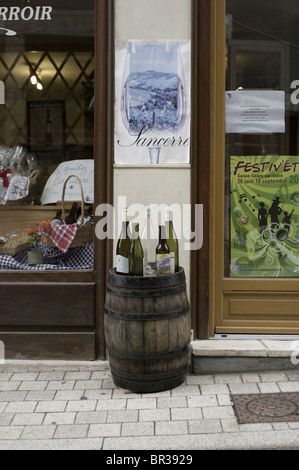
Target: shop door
255,168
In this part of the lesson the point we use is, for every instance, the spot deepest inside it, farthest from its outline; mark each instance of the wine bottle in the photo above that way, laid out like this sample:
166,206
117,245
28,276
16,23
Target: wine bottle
48,129
162,253
57,219
172,241
123,247
71,218
149,243
136,253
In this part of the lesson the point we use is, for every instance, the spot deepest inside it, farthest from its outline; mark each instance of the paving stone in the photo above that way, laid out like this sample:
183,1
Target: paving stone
88,384
6,418
28,419
40,395
250,377
12,395
137,429
202,400
20,376
116,404
38,432
210,412
60,418
5,376
142,403
10,385
89,417
81,405
50,406
21,407
227,378
214,389
10,432
229,425
71,431
185,390
33,385
171,427
200,380
256,427
78,375
205,426
244,388
125,416
172,402
155,415
270,387
51,375
178,414
99,394
61,385
68,394
289,386
103,430
273,377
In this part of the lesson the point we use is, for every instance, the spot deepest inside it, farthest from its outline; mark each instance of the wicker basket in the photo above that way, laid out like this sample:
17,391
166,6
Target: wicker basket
85,231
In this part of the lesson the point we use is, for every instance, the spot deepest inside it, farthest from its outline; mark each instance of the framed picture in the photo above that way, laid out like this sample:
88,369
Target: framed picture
46,127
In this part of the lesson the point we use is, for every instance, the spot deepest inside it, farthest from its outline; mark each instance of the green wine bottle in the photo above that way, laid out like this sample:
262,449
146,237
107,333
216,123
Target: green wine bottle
162,253
123,247
172,241
136,253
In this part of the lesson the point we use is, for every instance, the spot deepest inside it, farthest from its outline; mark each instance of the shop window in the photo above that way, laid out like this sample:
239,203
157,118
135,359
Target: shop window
262,157
46,128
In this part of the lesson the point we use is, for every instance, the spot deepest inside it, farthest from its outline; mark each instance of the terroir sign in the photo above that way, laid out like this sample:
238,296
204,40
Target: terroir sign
27,13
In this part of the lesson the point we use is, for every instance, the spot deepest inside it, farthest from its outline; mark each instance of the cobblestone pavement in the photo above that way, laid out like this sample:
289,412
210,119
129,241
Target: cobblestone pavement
76,406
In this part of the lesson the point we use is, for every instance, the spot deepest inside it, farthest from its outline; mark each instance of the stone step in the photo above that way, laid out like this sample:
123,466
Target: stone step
216,356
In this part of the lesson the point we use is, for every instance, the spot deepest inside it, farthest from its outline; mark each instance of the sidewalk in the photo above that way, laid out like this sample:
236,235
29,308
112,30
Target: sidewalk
75,405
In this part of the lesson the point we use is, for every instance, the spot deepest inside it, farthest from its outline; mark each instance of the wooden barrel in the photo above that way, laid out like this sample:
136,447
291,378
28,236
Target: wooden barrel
147,331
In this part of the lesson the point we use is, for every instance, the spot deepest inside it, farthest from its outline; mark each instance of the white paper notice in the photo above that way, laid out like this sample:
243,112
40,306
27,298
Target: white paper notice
255,111
83,169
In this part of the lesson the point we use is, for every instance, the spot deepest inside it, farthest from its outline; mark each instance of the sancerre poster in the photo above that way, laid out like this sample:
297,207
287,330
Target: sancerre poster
264,215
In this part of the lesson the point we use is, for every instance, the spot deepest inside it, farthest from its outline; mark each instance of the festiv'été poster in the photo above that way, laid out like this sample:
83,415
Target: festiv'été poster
264,215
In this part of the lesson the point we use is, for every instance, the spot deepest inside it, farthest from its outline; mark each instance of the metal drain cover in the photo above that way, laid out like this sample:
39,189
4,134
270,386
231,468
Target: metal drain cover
266,407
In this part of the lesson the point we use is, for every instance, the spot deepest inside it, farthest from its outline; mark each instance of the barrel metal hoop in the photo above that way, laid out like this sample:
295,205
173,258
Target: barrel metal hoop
149,377
158,292
147,356
145,316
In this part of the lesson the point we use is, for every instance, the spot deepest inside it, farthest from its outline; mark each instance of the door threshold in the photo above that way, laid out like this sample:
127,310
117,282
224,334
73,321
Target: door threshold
255,337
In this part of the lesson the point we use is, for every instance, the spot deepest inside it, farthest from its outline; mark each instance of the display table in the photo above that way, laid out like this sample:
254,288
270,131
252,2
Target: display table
75,258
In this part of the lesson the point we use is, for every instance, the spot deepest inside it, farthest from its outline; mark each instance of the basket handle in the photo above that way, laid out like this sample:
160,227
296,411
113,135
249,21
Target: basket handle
82,197
33,176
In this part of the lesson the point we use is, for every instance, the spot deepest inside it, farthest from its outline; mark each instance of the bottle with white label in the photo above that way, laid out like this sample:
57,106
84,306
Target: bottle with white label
149,242
123,247
171,241
162,253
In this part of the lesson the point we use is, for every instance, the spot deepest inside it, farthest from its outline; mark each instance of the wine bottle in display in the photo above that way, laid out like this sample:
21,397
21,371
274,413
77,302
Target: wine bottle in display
149,243
172,241
162,253
71,218
136,253
123,247
49,138
57,219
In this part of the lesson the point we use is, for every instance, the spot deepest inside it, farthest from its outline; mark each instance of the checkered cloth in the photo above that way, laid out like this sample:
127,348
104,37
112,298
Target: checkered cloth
61,235
75,258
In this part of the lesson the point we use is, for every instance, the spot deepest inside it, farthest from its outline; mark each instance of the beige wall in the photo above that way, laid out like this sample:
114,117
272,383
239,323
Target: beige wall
154,184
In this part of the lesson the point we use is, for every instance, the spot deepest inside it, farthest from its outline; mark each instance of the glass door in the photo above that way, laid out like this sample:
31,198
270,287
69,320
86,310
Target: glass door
257,291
